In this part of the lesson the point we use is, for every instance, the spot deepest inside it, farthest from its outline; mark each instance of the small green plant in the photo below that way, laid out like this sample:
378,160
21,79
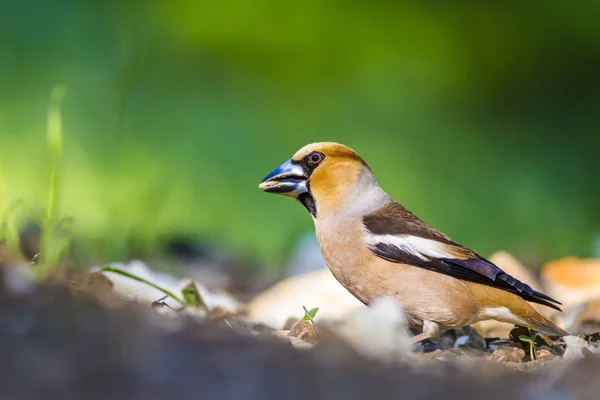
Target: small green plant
51,248
529,340
192,296
309,315
9,233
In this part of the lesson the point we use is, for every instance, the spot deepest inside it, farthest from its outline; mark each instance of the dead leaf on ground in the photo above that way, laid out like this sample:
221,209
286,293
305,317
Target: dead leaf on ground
508,355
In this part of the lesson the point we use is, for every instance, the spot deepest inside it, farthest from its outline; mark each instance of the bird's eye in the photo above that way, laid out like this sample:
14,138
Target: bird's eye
315,158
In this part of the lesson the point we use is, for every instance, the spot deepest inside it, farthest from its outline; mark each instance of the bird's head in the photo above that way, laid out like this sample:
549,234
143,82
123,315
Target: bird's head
324,176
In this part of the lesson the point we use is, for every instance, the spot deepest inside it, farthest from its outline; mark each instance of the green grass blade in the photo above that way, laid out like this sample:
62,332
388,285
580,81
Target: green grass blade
54,136
142,280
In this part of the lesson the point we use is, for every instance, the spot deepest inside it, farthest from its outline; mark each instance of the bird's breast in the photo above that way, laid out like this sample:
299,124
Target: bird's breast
348,257
424,294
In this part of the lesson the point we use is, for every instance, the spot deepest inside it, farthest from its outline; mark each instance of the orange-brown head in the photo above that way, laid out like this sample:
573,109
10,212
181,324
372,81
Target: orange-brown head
323,176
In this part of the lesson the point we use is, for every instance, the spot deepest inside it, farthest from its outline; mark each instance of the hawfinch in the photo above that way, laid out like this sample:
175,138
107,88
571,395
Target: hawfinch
375,247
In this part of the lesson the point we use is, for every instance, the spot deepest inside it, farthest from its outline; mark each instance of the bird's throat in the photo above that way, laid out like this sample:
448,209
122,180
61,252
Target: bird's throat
309,203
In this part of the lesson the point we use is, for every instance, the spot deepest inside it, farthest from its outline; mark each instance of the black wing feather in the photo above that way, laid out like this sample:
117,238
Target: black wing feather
477,270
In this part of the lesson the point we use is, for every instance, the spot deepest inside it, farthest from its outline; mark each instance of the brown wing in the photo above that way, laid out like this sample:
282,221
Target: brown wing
448,257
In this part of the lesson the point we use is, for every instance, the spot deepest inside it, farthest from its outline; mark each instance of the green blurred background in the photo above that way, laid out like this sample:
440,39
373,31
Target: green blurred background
481,117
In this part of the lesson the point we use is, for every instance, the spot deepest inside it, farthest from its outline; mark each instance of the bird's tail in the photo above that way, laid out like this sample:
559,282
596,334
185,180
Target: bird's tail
542,324
521,312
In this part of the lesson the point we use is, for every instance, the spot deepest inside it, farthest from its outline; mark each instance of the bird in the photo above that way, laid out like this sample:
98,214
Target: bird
376,248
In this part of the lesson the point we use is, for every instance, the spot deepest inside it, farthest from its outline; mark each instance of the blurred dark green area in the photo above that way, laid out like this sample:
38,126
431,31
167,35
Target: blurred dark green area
481,117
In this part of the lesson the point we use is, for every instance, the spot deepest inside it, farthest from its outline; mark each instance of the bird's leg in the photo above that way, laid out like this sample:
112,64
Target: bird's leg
420,337
430,329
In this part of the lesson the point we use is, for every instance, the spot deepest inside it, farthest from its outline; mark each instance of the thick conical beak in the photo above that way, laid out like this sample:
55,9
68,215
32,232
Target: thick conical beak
288,180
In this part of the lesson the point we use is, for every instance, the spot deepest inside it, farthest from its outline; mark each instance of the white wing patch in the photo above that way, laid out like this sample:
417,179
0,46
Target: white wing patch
502,314
425,249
